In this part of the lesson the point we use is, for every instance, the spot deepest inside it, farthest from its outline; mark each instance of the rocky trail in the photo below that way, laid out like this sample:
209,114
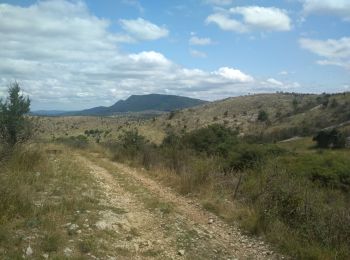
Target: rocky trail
154,222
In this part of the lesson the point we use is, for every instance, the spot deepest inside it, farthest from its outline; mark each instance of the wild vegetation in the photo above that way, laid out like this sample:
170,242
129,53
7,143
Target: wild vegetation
14,127
293,193
298,199
42,209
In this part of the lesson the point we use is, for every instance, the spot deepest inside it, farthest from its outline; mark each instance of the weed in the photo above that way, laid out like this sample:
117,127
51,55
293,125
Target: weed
87,245
51,242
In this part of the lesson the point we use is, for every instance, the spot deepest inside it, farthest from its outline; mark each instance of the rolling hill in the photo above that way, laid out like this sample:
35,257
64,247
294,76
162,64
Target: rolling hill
289,115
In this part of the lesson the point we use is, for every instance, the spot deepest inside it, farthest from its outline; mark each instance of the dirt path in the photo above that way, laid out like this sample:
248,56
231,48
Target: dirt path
163,224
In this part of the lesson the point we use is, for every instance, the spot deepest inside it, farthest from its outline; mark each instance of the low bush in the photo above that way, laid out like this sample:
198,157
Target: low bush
311,219
330,139
213,140
300,202
263,116
79,141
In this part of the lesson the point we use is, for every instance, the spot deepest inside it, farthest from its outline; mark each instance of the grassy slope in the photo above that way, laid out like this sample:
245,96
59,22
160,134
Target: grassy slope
239,113
50,204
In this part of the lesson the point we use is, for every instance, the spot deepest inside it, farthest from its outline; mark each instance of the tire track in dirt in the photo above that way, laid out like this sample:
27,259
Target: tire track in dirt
191,232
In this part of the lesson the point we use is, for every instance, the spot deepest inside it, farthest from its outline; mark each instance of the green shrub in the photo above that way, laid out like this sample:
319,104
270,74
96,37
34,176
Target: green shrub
323,169
248,156
330,139
79,141
132,142
51,242
314,220
213,140
263,116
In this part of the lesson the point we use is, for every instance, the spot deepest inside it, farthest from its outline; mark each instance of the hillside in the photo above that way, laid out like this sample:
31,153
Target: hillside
143,103
287,115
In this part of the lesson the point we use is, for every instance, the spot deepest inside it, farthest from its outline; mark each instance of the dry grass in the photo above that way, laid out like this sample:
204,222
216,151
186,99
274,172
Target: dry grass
277,198
44,193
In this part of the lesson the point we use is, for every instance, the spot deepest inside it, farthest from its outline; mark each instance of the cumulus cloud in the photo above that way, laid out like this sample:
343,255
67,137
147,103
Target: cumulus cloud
66,58
225,23
253,18
233,74
151,58
333,51
274,82
339,8
194,40
142,29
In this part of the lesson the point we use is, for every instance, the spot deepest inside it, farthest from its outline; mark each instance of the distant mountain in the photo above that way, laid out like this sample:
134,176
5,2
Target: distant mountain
135,103
48,112
142,103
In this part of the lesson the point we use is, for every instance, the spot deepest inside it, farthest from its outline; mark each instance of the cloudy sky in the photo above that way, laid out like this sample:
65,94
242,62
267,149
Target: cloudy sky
71,55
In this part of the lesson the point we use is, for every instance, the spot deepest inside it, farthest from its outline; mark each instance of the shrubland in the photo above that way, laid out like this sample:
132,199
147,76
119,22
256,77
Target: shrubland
295,193
297,198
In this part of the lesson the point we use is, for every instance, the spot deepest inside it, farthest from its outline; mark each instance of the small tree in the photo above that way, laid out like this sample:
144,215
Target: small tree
295,104
263,116
13,124
132,142
327,139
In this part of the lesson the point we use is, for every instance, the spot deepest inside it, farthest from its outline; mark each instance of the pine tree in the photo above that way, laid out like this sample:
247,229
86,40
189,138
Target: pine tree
13,123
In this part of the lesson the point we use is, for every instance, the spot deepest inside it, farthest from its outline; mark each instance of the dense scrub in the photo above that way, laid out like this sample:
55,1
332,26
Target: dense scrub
298,199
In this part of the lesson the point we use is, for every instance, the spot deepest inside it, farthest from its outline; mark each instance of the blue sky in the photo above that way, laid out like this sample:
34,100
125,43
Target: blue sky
78,54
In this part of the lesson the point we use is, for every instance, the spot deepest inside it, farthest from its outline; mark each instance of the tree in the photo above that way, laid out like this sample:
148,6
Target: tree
263,116
327,139
214,139
295,104
13,123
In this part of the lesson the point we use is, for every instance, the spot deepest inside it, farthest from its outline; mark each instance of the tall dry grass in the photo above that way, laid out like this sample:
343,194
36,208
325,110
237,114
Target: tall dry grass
299,202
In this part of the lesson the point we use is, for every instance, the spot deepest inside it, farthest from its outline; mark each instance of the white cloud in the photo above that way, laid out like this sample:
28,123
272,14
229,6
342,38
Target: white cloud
253,18
226,23
274,82
150,57
198,54
339,8
143,30
334,52
64,57
194,40
234,74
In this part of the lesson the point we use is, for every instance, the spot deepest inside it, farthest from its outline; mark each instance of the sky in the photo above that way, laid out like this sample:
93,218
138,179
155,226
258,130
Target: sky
77,54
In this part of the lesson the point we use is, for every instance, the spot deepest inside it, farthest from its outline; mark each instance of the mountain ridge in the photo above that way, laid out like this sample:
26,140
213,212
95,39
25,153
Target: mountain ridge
135,103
